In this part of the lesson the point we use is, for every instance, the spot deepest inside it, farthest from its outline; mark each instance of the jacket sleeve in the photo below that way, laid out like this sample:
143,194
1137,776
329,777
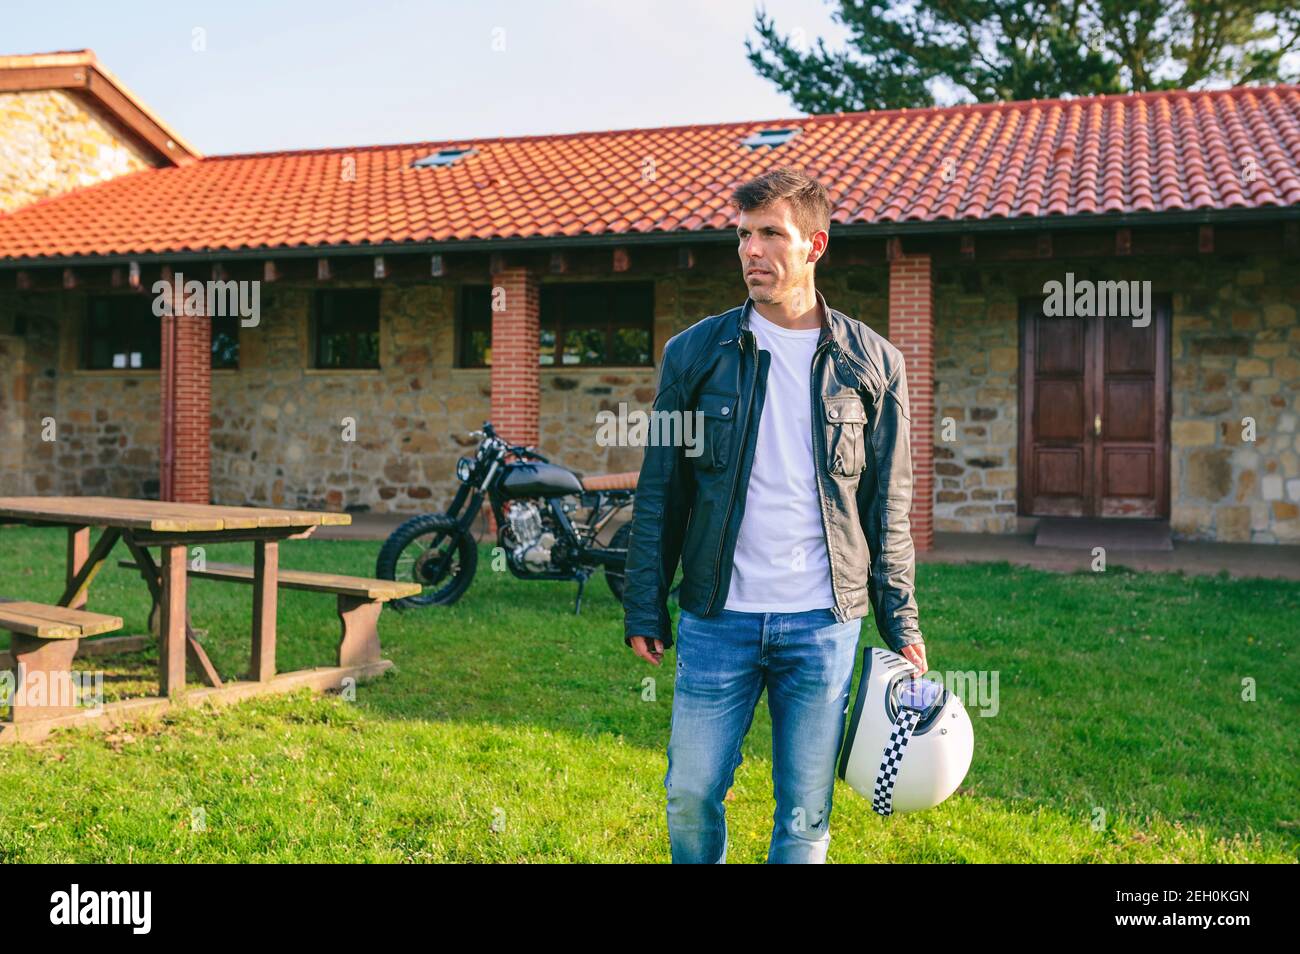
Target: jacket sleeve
664,496
890,585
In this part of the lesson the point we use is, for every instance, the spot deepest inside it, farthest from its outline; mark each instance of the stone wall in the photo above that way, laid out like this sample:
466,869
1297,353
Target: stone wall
52,142
13,415
285,434
103,430
277,426
1236,356
976,373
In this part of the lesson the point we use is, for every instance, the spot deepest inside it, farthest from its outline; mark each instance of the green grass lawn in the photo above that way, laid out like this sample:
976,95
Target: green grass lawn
512,730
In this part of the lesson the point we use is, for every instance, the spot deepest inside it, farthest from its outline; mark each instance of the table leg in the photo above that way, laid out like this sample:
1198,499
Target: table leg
78,551
171,635
266,572
203,667
84,563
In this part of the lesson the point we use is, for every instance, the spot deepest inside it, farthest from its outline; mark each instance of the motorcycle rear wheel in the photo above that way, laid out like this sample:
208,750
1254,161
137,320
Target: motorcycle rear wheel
615,578
413,552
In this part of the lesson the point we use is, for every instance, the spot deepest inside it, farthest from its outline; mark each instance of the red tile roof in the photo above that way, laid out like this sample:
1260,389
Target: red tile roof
1152,152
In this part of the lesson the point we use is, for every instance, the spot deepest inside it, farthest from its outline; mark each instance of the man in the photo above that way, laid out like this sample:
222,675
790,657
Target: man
790,521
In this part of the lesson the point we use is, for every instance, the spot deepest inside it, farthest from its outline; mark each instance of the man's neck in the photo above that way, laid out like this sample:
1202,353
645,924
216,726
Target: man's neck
791,313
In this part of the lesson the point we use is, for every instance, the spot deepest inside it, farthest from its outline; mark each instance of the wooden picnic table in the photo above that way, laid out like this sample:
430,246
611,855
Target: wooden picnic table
173,527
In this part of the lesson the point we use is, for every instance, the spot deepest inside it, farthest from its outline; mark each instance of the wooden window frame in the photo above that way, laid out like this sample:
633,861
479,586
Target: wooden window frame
463,294
317,315
547,296
84,352
614,322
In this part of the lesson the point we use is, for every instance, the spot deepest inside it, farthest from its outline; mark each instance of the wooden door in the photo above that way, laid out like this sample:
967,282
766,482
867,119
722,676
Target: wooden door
1094,415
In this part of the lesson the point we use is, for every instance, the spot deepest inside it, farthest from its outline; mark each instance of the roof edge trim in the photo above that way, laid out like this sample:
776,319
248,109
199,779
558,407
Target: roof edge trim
882,230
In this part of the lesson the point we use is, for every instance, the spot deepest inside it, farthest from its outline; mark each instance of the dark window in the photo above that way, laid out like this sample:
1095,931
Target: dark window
225,343
122,333
347,328
610,323
582,325
475,346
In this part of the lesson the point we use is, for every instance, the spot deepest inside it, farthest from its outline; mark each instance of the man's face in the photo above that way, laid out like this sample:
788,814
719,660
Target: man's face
775,258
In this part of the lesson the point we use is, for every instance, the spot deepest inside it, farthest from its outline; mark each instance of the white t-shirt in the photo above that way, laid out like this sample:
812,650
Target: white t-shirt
780,563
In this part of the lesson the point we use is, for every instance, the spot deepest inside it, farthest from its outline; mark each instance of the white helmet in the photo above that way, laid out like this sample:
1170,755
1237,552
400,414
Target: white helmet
909,741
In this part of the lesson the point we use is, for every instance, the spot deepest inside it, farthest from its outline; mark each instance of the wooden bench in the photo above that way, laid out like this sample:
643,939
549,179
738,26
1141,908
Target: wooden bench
44,640
360,600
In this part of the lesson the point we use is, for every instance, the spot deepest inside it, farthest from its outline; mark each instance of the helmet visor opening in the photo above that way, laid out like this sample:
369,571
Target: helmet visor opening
919,694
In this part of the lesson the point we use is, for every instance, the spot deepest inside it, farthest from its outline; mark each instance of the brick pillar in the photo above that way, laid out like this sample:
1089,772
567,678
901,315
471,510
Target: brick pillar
516,378
911,330
186,404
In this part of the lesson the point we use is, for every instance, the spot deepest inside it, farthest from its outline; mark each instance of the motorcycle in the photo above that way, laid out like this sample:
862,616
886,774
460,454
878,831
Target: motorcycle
532,500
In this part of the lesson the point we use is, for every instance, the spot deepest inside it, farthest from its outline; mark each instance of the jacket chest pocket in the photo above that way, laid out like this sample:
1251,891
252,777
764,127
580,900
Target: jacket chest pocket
845,421
717,412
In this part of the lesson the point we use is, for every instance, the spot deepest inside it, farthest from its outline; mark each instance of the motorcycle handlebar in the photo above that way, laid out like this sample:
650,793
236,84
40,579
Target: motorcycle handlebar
518,451
528,452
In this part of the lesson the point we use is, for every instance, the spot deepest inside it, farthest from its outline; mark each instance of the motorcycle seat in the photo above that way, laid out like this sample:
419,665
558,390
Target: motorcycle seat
624,481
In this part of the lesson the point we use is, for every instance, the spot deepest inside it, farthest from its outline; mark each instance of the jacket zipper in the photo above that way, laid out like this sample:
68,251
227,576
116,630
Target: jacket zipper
735,480
819,434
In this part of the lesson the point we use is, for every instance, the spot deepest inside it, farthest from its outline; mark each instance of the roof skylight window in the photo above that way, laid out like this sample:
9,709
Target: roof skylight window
444,157
769,137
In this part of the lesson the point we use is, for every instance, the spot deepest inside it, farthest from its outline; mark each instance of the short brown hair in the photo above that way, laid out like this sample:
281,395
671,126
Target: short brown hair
809,204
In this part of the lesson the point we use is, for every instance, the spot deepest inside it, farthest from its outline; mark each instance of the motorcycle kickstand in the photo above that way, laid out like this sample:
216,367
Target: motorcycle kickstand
577,603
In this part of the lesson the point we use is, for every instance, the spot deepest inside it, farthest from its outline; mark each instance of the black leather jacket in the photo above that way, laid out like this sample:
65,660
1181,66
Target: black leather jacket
689,504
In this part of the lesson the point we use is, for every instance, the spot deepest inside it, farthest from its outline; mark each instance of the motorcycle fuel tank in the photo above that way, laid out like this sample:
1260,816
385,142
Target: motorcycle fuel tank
539,480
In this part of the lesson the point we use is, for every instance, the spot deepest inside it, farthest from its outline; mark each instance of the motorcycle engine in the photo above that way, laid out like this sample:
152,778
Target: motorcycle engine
533,542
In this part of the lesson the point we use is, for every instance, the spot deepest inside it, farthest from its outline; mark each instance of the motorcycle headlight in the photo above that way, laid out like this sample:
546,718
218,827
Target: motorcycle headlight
464,467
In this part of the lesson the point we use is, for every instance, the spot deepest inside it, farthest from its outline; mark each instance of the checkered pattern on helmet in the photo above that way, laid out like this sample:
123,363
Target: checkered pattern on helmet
882,795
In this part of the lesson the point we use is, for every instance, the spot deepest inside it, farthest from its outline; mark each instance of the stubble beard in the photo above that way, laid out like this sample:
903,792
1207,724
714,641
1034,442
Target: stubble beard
781,294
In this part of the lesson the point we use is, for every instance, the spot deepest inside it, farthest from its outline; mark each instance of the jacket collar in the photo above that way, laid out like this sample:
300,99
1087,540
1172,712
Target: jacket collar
832,322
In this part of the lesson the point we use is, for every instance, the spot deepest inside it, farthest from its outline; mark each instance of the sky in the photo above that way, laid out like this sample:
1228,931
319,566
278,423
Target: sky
240,76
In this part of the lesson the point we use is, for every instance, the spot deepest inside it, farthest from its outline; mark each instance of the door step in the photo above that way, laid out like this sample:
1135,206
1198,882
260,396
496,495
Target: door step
1084,533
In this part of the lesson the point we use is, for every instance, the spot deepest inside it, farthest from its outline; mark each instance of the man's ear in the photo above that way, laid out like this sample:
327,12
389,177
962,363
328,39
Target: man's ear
820,242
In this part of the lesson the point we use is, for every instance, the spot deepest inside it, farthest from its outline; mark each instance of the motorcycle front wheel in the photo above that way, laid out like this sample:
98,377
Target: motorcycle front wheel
435,552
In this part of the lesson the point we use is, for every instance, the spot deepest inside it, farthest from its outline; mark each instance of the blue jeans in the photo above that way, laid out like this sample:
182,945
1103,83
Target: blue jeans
723,663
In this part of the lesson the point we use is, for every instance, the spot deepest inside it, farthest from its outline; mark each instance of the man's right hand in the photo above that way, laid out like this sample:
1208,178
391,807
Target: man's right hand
648,648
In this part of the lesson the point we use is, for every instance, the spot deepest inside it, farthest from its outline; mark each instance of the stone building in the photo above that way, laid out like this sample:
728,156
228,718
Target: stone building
405,294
